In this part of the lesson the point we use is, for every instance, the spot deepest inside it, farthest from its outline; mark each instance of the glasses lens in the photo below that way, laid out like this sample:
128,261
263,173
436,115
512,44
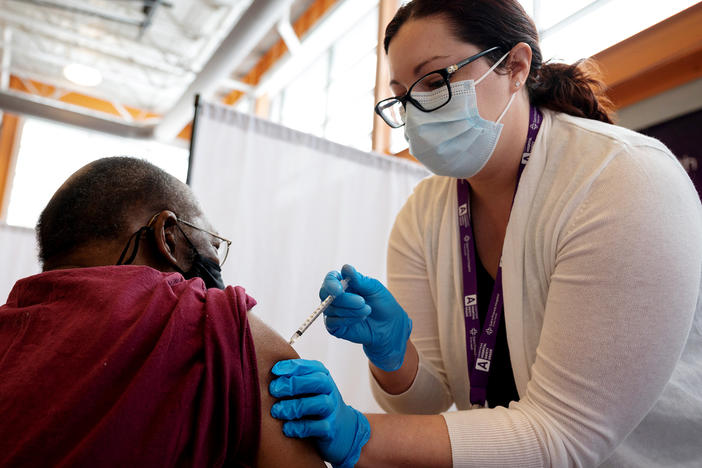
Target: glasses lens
392,111
431,92
222,252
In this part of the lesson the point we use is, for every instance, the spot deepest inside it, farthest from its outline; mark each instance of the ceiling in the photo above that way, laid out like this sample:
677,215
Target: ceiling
148,51
155,55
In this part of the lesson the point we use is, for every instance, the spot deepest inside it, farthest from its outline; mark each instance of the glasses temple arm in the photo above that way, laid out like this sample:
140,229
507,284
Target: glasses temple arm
454,68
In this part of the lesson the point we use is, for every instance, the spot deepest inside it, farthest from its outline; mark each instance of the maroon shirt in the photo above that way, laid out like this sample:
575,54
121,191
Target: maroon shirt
126,366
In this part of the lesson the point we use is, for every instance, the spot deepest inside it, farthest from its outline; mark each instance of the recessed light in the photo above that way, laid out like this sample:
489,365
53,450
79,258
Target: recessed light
82,74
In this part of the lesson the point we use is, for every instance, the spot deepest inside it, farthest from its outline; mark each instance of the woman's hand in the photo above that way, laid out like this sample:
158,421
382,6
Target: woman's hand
318,411
368,314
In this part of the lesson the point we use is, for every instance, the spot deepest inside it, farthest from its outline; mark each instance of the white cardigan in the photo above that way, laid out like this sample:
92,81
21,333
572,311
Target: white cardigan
602,276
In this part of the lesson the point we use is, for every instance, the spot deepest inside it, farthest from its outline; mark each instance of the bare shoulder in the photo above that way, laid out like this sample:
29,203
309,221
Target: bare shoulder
275,449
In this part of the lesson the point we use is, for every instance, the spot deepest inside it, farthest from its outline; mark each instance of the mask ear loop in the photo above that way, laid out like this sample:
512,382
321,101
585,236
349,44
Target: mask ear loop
509,103
135,237
491,69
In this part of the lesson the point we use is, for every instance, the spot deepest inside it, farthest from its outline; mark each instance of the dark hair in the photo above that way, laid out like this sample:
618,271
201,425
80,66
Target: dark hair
573,89
96,202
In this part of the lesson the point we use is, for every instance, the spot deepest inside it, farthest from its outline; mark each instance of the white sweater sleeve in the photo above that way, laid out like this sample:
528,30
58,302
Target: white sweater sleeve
620,304
409,283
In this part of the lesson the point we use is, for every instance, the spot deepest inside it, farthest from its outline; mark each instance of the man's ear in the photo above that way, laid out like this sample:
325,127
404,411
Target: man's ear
165,226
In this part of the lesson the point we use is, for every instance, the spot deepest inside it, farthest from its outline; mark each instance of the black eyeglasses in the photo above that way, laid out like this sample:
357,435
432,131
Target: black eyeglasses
223,246
392,110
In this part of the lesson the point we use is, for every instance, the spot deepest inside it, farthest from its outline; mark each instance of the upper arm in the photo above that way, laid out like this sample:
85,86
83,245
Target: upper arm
619,308
275,449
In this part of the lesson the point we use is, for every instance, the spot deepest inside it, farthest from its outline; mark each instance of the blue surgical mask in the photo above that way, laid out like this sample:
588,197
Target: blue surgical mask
453,141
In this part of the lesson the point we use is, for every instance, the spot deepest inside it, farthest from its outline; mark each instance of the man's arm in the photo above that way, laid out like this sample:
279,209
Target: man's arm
313,408
275,449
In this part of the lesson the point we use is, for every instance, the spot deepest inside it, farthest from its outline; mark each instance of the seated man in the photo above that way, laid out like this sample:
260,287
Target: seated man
135,365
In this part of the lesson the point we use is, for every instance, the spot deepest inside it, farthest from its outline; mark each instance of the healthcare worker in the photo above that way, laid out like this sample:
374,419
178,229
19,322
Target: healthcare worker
579,241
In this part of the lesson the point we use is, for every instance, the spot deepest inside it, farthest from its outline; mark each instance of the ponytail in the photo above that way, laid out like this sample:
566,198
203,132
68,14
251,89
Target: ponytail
572,89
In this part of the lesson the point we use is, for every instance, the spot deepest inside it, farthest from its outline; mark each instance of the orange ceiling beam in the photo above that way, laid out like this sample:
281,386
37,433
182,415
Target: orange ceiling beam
657,80
78,99
659,58
89,102
303,24
8,142
381,134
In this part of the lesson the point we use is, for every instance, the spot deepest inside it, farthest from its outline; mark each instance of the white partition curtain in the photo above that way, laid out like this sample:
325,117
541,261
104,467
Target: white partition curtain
297,206
18,257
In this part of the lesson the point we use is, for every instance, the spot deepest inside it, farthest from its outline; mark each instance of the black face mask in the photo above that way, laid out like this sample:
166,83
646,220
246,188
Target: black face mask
208,270
202,267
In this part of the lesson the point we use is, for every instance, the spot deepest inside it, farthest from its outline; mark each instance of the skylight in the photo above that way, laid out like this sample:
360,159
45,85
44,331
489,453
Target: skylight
581,28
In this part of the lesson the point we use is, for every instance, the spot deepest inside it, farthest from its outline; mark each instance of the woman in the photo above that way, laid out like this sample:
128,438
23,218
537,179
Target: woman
579,240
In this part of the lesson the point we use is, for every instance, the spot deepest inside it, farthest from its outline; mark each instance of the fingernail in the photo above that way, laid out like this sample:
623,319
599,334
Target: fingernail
282,367
288,430
277,387
273,387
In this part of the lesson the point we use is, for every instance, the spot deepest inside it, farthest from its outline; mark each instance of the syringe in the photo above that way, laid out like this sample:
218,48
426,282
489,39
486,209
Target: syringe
317,312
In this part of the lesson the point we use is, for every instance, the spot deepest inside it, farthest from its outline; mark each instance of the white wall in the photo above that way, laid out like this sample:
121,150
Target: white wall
295,207
18,257
662,107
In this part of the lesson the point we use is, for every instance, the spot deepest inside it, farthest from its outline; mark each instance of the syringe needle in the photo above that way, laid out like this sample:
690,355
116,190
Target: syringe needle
294,338
316,313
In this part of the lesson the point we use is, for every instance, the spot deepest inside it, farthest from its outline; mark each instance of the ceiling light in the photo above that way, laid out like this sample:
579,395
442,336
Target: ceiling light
82,74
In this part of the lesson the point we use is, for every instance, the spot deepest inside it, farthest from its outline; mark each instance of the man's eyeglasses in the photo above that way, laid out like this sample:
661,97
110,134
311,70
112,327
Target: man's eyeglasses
392,110
222,247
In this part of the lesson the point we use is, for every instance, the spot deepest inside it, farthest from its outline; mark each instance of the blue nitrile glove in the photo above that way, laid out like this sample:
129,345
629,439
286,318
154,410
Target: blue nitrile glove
340,430
368,314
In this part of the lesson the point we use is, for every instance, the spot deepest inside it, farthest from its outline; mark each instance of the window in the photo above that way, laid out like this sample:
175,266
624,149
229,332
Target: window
331,96
334,96
302,104
581,28
49,153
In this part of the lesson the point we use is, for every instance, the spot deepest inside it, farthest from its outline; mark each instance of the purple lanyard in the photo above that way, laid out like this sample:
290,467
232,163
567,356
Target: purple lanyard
480,348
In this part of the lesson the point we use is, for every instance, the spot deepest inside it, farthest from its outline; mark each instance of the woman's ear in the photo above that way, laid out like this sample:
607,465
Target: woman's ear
165,225
519,64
